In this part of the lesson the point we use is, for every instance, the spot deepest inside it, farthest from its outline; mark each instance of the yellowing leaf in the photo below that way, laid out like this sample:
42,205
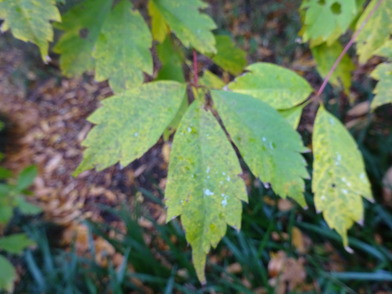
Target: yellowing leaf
377,30
326,56
383,91
268,144
29,21
203,184
327,20
123,49
192,27
159,28
385,50
293,115
128,124
211,80
7,275
339,177
82,25
279,87
228,56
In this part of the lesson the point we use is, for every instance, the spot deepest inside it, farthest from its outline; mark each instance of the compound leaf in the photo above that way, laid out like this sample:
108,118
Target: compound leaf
128,124
279,87
376,31
383,91
123,49
326,56
15,244
29,21
7,275
268,144
81,25
327,20
203,184
191,26
229,57
339,178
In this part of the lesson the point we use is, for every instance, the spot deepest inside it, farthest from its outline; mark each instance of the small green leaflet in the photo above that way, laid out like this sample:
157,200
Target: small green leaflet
293,115
123,49
81,25
211,80
191,26
268,144
376,31
7,275
383,91
326,20
16,243
326,56
172,59
339,177
279,87
159,28
128,124
29,21
203,184
229,57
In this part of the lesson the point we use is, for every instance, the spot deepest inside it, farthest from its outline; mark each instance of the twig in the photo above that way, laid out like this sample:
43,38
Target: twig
195,69
346,48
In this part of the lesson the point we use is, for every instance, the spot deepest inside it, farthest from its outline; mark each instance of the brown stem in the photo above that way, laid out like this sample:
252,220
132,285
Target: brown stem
346,48
195,69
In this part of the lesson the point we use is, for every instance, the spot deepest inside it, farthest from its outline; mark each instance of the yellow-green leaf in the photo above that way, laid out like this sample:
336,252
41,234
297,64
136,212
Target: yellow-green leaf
203,184
268,144
339,176
172,59
128,124
376,31
279,87
123,49
159,28
211,80
229,56
190,25
385,50
81,25
15,244
326,56
326,20
293,115
383,90
29,21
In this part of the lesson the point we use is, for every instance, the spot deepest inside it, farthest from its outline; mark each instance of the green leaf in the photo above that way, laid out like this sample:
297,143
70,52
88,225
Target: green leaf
128,124
26,207
211,80
123,49
7,275
229,56
5,173
6,212
268,144
159,28
26,177
293,115
279,87
29,21
82,25
339,177
326,20
326,56
383,91
191,26
385,50
172,60
203,184
15,244
376,31
177,119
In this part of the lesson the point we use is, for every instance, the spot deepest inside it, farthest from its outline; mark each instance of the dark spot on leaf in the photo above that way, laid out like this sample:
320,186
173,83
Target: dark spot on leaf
336,8
83,33
321,2
333,185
